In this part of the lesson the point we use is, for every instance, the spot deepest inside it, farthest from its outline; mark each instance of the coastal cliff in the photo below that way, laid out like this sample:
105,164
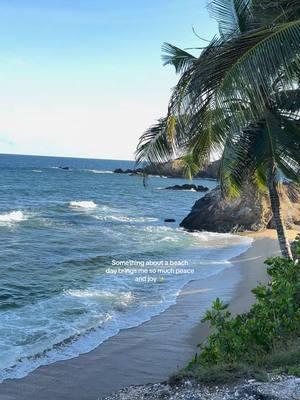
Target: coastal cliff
250,212
173,169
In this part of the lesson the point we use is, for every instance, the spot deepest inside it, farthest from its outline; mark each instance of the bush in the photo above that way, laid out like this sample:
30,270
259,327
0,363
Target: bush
272,321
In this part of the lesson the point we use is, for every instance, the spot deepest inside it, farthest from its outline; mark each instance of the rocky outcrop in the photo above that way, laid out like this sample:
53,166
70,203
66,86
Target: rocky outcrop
250,212
172,169
175,169
195,188
211,171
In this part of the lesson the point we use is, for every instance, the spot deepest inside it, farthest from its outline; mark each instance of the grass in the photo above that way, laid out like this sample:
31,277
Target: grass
285,359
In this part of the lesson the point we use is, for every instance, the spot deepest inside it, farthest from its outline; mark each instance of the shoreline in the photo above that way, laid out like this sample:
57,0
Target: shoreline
154,350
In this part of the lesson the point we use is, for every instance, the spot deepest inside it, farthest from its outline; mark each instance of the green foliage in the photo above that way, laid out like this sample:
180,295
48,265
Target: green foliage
296,247
219,373
284,357
241,82
250,345
273,319
226,373
294,371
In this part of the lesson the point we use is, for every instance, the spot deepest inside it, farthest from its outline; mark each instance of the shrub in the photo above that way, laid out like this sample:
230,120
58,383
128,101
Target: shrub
272,320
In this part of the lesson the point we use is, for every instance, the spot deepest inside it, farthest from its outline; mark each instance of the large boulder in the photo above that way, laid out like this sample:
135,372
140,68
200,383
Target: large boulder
250,212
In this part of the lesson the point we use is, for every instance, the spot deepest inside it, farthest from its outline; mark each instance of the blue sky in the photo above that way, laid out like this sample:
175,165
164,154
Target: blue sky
84,78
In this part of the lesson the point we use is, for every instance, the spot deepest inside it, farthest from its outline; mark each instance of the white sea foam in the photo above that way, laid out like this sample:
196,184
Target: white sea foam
82,204
158,229
36,170
98,171
216,240
13,216
158,176
169,239
182,190
123,298
124,218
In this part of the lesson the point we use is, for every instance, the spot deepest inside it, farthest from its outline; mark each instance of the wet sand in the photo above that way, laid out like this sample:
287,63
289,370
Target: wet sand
154,350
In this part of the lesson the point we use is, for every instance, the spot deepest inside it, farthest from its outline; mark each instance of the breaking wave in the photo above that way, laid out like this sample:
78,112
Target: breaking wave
82,204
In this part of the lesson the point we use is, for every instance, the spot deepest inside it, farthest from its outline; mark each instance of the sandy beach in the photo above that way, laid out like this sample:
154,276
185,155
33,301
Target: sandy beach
154,350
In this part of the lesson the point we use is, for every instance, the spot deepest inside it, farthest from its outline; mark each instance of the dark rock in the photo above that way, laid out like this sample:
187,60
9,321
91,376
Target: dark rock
196,188
137,171
201,188
128,171
170,220
250,212
123,171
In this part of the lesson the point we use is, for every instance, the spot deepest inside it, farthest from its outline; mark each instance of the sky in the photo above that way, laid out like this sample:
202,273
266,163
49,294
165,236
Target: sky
84,78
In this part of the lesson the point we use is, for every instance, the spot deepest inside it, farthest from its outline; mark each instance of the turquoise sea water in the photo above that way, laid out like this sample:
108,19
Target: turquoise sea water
62,233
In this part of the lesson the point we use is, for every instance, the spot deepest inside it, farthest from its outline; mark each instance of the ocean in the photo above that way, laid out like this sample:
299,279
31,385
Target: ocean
86,252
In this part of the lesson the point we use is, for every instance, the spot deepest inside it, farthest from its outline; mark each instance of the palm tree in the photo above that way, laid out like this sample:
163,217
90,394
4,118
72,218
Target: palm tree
239,98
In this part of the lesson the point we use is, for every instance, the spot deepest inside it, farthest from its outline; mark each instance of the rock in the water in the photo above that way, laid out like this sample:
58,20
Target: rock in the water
128,171
119,171
170,220
251,211
196,188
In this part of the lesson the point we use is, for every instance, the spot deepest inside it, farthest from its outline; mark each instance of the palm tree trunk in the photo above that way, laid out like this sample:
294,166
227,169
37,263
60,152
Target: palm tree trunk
277,215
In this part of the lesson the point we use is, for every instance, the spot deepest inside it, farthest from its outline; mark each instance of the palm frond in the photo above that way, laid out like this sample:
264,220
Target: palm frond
180,59
268,12
239,68
153,146
190,165
171,128
231,15
251,154
288,100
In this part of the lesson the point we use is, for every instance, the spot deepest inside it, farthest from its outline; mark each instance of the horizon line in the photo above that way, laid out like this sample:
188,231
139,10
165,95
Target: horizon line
56,156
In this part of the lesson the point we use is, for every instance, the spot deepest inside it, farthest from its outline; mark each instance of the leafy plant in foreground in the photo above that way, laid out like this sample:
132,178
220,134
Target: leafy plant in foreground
272,320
